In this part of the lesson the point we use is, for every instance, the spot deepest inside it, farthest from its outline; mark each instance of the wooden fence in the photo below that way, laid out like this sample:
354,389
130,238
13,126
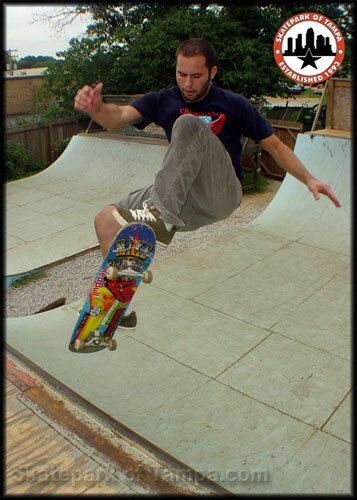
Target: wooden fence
287,132
41,139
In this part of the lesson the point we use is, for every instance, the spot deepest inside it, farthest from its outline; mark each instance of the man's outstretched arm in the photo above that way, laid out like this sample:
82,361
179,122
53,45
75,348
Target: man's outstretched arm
89,100
287,159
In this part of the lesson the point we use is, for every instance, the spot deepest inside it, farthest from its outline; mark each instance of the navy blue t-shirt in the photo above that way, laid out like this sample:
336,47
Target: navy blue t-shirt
229,116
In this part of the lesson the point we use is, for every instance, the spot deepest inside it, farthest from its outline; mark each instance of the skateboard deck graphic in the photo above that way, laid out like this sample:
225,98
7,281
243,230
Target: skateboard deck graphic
116,282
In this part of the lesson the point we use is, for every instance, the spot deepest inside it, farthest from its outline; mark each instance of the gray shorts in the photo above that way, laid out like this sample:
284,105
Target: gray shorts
197,184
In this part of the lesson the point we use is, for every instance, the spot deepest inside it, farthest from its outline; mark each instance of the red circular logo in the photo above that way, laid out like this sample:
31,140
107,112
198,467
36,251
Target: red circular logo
309,48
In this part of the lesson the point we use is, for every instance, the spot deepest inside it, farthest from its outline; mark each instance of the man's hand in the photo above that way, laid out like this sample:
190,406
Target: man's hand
108,115
288,160
89,99
317,187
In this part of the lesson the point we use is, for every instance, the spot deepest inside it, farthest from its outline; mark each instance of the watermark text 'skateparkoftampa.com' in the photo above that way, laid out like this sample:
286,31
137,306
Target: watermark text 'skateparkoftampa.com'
53,475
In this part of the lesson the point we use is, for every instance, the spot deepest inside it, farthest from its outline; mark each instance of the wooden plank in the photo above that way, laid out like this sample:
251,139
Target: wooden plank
285,124
317,114
345,134
339,104
342,119
39,460
329,110
287,132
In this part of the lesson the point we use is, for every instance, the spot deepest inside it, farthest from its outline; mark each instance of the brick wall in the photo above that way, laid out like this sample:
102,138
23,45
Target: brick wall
20,94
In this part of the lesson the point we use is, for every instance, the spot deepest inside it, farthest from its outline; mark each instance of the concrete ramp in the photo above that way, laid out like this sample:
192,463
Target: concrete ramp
240,366
295,216
49,216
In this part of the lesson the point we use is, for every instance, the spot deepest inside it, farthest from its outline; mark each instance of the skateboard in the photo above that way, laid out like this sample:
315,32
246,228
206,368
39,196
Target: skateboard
116,282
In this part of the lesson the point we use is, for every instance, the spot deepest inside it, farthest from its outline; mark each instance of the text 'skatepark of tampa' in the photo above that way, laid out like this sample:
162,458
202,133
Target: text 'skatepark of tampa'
309,48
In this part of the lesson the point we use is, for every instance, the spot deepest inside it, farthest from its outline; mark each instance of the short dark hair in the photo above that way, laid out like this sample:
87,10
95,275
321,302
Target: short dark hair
198,46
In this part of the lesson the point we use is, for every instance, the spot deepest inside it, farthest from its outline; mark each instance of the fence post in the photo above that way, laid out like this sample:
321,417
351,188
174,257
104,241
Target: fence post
51,142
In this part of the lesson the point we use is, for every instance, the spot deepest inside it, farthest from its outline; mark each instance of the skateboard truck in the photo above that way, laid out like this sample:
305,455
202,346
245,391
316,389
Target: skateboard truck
113,273
95,340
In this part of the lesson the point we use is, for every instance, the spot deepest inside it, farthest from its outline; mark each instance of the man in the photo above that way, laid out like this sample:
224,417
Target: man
200,180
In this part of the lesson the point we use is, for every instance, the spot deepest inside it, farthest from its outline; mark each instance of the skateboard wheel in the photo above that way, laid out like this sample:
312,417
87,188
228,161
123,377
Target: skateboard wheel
112,345
79,345
112,273
148,276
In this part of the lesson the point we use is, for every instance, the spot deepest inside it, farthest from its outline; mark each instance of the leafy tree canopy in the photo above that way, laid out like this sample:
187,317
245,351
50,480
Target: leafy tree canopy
28,61
35,62
131,47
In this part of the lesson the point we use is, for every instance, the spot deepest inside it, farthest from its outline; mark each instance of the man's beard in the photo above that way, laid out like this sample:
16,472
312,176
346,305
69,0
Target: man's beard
202,94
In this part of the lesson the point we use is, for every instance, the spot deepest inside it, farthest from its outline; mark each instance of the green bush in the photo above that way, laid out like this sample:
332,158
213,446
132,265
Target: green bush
19,162
59,146
250,186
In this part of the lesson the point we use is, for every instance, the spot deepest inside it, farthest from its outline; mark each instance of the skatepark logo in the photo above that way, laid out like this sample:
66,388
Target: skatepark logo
309,48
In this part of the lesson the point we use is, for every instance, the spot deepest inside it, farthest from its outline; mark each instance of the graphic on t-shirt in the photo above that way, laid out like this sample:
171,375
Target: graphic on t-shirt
212,119
206,119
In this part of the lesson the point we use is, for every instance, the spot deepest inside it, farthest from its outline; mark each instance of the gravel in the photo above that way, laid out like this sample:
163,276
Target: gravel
71,280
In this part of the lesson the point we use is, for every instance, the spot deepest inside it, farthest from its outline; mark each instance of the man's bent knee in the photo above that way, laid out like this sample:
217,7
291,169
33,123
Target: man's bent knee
187,123
105,219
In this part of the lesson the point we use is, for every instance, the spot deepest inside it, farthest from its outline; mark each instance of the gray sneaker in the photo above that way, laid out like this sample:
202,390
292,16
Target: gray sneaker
129,322
151,217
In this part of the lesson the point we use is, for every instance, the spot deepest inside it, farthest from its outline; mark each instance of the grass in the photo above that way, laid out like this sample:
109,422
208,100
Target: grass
249,185
29,278
309,93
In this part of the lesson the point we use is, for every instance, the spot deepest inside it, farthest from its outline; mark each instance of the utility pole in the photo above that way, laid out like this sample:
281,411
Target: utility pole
12,64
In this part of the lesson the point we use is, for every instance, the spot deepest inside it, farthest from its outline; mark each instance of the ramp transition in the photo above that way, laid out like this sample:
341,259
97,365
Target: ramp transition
240,366
49,216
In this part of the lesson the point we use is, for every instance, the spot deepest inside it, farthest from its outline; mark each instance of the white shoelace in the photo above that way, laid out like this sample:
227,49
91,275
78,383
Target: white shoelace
144,214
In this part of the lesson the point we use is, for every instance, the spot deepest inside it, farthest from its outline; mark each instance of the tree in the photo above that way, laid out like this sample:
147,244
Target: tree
85,62
154,44
131,47
35,62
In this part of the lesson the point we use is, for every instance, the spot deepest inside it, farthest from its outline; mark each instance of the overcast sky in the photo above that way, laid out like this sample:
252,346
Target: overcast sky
39,38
